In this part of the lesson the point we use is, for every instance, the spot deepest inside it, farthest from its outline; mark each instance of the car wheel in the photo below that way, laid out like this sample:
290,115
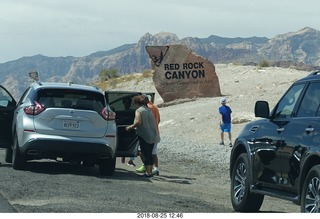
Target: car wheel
241,197
8,155
19,161
107,166
310,199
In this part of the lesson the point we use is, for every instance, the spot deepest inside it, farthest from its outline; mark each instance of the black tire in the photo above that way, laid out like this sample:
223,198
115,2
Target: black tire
8,155
19,161
310,202
241,198
107,166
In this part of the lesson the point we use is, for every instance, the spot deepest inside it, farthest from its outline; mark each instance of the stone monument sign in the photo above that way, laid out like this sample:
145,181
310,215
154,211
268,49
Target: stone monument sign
179,73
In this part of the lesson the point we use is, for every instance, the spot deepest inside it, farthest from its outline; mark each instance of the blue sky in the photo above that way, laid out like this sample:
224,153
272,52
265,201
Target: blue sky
80,27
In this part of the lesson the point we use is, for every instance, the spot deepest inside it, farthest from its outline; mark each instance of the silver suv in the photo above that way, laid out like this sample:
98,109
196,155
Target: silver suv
60,121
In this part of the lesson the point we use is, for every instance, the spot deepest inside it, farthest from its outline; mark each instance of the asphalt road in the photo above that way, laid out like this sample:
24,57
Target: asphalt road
53,187
5,206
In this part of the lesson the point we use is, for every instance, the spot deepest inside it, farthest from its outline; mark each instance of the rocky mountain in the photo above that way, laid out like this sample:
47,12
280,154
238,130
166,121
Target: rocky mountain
299,48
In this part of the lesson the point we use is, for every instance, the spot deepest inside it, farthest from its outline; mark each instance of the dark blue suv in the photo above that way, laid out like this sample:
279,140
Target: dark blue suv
279,155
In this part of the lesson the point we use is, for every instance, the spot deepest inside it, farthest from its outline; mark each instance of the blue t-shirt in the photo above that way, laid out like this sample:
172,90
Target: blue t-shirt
226,113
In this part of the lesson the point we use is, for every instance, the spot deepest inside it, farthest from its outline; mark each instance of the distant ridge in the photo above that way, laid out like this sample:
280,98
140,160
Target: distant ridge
299,49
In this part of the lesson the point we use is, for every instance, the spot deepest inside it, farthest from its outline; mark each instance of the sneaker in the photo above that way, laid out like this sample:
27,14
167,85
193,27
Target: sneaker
230,145
155,172
123,159
141,169
146,176
130,163
222,143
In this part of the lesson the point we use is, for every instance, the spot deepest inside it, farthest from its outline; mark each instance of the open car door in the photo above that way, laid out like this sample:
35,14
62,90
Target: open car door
121,103
7,107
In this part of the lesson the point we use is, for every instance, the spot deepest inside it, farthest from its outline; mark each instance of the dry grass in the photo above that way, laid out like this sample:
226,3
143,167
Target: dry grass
113,82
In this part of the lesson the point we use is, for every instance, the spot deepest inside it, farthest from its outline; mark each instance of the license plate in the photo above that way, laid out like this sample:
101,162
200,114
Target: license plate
71,124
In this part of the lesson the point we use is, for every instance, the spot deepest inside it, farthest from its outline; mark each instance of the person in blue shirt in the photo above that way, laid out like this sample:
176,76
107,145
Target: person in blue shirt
225,120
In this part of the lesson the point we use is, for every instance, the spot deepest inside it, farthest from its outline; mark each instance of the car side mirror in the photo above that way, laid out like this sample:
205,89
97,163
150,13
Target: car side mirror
261,109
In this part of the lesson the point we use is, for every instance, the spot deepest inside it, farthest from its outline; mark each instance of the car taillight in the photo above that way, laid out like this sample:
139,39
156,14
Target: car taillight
34,109
108,115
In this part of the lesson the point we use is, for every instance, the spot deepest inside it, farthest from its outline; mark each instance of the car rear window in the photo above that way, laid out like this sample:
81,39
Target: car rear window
71,98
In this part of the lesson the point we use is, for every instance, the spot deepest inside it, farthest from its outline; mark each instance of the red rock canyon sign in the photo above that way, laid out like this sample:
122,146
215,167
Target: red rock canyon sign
179,73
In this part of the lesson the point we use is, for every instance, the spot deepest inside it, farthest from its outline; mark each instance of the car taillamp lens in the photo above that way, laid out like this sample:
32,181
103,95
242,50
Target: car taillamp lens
108,115
34,109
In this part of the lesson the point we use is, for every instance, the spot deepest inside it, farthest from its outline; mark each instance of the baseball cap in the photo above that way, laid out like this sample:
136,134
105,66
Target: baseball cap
223,100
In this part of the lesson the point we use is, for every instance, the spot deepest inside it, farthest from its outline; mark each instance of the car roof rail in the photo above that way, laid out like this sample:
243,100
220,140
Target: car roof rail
317,72
38,83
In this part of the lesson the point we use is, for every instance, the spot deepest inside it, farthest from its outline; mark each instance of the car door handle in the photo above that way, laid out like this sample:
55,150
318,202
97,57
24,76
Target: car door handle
280,129
309,129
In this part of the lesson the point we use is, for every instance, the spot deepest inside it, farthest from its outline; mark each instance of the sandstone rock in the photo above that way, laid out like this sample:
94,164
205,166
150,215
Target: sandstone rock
179,73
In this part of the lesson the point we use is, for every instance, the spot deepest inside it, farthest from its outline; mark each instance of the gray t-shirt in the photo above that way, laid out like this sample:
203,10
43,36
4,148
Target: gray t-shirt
147,130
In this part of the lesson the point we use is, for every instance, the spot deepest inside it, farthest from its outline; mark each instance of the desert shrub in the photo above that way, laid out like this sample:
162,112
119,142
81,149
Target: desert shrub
264,63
